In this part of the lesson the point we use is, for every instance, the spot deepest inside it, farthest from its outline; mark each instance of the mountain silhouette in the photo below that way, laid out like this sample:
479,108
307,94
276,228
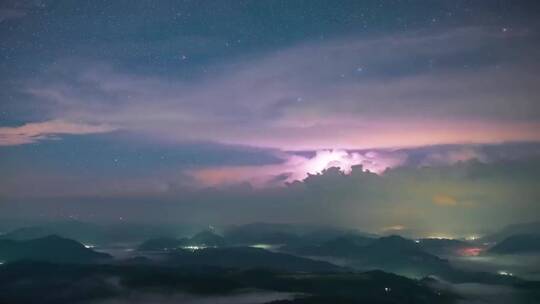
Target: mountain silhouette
521,243
50,248
246,258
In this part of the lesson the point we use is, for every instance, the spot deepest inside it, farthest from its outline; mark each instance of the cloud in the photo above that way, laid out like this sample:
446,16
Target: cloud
115,170
488,196
444,200
296,168
313,96
34,132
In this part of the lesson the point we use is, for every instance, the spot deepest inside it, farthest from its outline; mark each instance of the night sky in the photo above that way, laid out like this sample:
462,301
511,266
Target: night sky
221,112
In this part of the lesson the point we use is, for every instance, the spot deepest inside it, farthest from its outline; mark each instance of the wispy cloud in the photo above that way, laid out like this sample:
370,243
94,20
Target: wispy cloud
7,14
398,90
15,9
33,132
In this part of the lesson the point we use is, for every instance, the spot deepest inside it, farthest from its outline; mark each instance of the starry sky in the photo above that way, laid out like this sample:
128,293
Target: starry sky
237,111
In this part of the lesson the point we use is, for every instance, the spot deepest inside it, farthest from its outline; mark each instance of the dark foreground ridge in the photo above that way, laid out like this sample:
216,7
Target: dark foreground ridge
38,282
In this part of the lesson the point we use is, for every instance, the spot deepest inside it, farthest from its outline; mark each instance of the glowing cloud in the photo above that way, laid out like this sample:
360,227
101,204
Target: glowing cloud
296,167
332,158
372,161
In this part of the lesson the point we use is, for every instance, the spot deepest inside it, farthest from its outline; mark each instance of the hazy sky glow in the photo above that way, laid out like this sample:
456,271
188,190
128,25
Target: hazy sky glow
166,104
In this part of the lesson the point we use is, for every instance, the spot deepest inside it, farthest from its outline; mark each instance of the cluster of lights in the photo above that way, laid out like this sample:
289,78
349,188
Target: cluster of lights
472,237
262,246
193,248
505,273
88,246
440,237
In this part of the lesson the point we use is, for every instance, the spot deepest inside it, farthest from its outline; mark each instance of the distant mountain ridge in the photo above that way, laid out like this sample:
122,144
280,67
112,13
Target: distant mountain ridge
51,249
202,239
520,243
91,233
248,258
521,228
392,253
443,246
